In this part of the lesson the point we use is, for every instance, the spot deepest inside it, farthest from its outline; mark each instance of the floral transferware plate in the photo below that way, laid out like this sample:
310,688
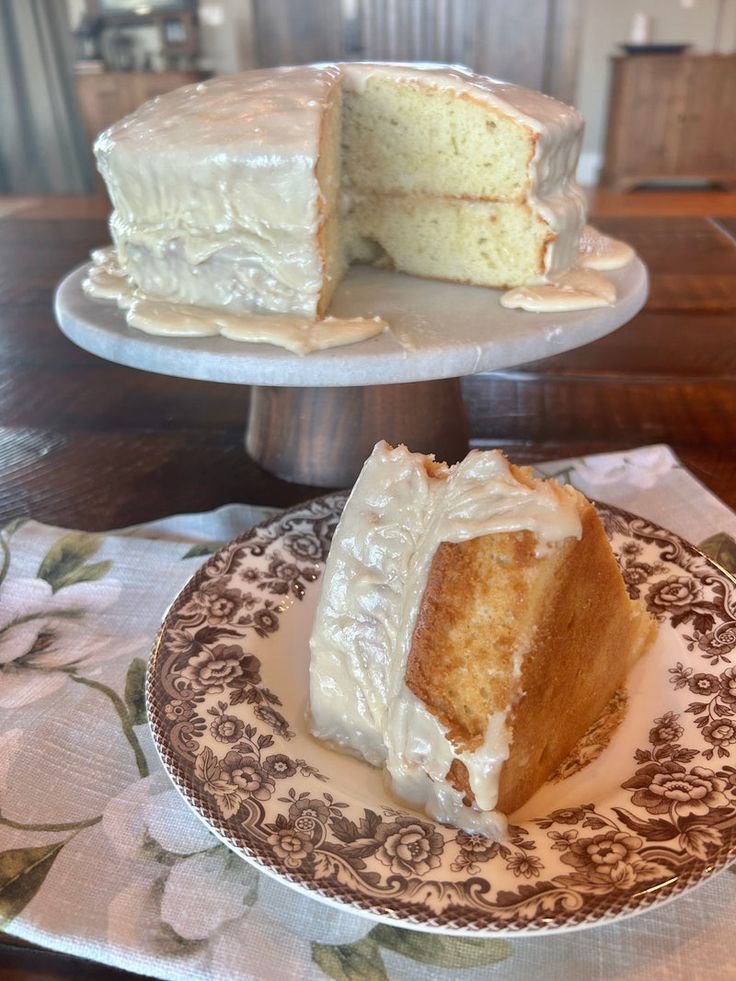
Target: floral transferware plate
641,812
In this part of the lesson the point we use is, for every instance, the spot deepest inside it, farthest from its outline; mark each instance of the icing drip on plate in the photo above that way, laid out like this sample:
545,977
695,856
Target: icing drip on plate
584,287
598,251
106,280
576,289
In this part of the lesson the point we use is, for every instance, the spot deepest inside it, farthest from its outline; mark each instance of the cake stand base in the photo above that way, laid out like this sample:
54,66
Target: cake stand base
322,436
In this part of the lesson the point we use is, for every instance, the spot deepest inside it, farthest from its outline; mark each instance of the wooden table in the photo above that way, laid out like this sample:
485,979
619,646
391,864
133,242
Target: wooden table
87,444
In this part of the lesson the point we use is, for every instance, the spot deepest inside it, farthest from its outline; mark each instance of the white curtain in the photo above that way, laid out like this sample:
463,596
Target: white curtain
42,146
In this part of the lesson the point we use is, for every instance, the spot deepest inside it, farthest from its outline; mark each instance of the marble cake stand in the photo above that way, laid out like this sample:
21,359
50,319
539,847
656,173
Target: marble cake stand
314,419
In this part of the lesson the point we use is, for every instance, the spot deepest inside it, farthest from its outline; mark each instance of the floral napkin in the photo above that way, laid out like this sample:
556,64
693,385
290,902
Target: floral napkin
101,857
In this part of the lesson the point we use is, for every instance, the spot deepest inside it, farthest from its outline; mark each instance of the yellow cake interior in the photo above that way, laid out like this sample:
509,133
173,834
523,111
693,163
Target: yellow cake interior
433,183
566,613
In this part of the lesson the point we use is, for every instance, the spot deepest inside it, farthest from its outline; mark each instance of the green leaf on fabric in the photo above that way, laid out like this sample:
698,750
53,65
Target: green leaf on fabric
86,573
22,872
64,563
722,549
201,548
135,691
360,961
12,526
452,952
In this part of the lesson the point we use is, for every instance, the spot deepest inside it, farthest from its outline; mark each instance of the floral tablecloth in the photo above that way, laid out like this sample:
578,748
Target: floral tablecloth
99,855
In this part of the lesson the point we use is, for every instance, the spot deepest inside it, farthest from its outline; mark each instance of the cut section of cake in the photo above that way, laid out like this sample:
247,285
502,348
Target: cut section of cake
459,177
473,624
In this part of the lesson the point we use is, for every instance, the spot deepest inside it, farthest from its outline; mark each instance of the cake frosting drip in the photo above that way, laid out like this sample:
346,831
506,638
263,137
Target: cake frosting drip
598,251
583,287
107,280
377,572
576,289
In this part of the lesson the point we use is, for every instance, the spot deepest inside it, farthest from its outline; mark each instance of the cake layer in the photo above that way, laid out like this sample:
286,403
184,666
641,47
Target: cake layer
406,137
567,611
487,244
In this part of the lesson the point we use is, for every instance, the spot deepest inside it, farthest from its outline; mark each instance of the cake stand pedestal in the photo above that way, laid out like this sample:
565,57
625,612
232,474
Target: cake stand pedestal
321,436
314,419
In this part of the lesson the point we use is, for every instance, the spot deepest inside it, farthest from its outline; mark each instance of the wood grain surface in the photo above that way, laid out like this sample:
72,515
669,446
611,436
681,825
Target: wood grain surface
87,444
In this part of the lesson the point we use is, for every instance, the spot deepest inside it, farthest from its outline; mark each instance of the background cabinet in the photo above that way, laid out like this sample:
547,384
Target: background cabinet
671,116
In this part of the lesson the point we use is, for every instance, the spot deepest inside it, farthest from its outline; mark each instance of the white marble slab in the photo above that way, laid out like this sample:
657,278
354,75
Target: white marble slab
439,330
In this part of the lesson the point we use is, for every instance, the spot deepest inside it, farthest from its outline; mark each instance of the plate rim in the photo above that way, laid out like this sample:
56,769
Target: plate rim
695,874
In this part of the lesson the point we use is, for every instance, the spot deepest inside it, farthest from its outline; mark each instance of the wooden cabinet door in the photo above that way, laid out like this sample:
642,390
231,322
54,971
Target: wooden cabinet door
102,101
647,112
150,84
708,144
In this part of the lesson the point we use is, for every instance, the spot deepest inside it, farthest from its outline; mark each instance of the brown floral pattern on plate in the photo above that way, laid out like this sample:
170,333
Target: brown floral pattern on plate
226,702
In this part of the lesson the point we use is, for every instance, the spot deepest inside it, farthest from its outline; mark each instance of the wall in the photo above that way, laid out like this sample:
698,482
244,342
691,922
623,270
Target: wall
226,34
532,42
607,23
77,9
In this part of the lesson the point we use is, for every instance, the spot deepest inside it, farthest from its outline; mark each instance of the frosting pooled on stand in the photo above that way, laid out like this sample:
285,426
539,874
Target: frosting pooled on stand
598,251
106,280
576,289
583,287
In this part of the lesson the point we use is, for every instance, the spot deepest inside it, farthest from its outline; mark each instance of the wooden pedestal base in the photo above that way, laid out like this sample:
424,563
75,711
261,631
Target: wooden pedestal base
321,436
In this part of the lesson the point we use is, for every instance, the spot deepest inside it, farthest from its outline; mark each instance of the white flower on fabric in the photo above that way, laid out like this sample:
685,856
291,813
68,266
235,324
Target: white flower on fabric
174,826
40,637
124,817
207,890
151,810
204,885
642,468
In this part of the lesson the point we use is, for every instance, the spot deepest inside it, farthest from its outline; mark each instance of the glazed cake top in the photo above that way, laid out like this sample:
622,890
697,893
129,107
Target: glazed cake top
278,109
266,124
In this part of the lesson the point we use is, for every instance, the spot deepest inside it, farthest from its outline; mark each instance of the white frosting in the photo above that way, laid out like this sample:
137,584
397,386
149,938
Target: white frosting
105,280
584,287
598,251
576,289
216,198
375,578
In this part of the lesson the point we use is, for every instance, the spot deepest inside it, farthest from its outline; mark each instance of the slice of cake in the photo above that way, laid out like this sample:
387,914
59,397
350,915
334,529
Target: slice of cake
252,193
473,624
